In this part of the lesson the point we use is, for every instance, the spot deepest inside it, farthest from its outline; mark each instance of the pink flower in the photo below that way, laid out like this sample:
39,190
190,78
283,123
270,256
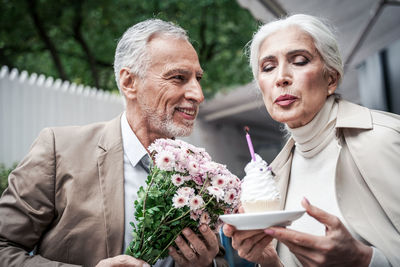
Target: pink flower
219,181
179,201
230,196
193,167
177,179
205,218
165,161
217,192
186,191
194,215
196,202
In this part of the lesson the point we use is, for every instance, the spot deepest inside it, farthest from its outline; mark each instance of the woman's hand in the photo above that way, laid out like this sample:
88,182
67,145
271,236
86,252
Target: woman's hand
198,252
254,245
336,248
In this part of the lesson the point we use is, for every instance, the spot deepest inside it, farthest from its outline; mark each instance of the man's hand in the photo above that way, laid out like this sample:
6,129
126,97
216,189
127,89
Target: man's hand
253,245
122,260
336,248
197,252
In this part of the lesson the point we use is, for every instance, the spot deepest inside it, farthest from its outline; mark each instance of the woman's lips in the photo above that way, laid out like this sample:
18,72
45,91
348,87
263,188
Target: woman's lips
285,100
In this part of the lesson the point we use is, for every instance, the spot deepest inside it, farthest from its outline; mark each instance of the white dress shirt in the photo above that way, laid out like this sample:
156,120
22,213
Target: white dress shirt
134,174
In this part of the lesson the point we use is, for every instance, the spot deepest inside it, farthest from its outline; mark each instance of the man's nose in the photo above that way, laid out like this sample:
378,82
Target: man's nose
194,92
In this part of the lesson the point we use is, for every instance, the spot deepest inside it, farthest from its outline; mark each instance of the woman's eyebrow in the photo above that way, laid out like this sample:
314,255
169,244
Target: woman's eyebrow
299,51
267,58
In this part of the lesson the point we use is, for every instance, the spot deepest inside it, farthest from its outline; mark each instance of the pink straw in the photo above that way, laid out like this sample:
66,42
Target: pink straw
249,143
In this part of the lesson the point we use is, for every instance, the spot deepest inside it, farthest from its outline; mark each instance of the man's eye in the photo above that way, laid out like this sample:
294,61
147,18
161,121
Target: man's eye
178,77
199,78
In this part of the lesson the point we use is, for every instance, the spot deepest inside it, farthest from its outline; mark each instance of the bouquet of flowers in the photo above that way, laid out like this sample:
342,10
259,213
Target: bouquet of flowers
185,188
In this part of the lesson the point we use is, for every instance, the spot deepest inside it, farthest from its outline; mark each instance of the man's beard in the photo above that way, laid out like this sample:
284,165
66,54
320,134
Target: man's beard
166,124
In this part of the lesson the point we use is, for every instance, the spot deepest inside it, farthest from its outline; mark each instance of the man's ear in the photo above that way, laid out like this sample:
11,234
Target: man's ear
127,82
333,81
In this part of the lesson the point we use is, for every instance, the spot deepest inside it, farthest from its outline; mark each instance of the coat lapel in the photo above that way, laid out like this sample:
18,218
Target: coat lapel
111,178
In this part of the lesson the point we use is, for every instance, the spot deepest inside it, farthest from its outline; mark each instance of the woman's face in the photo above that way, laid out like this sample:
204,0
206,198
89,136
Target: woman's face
292,78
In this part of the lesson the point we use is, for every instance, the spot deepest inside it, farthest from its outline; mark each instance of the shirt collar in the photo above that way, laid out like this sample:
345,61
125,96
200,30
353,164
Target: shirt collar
133,149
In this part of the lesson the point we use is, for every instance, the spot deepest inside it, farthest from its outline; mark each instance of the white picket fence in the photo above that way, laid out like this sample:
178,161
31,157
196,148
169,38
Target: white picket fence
28,103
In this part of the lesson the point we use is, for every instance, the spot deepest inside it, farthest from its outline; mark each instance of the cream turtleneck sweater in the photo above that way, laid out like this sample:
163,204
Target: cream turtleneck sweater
313,176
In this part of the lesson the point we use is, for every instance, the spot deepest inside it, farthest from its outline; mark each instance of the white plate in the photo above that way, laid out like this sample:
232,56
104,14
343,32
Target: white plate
253,221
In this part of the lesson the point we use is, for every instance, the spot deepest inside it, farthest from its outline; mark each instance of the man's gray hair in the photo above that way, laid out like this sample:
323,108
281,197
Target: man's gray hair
131,49
323,37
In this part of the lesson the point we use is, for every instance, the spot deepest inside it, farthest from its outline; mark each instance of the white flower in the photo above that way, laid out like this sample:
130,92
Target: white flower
219,181
196,202
217,192
230,196
186,191
179,201
177,179
165,161
193,167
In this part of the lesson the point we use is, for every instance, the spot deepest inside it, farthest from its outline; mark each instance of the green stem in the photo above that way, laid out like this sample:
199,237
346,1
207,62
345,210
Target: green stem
169,244
202,188
144,209
180,217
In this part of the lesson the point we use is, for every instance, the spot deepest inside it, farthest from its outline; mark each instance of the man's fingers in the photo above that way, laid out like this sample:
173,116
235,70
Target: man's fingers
184,248
179,259
320,215
210,238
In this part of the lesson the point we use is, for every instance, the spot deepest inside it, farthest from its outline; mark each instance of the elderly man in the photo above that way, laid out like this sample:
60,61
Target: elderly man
71,199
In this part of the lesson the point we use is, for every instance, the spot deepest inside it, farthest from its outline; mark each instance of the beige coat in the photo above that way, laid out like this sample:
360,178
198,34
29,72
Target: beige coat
66,198
367,177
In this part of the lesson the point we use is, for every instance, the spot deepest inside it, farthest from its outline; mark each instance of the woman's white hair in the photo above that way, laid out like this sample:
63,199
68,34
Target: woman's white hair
131,50
323,37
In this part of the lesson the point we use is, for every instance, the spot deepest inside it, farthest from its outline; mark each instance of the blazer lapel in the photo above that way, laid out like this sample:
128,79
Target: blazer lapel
111,178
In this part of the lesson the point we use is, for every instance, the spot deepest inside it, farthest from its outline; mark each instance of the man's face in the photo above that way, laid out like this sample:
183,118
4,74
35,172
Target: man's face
169,94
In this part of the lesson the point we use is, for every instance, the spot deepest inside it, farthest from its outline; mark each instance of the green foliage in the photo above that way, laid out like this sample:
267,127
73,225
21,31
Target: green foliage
83,36
4,172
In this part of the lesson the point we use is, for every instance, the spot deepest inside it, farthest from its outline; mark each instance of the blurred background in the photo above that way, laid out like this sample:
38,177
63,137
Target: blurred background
57,56
56,65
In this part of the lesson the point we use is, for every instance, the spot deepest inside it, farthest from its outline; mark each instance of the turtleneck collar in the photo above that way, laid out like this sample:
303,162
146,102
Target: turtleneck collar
315,135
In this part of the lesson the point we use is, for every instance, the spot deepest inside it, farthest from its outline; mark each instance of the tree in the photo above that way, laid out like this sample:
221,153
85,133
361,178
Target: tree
76,39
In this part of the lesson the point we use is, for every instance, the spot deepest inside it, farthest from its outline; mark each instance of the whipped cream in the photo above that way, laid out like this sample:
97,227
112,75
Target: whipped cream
259,183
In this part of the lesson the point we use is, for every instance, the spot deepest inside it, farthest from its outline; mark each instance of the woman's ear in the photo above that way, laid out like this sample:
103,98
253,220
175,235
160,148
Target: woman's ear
127,82
333,81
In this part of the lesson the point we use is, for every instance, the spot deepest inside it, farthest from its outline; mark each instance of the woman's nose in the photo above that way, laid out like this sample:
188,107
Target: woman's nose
284,76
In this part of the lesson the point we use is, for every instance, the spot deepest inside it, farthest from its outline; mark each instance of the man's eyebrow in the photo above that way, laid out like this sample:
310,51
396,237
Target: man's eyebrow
182,71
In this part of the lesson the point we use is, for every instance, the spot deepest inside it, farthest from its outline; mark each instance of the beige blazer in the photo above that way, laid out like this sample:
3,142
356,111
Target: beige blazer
66,199
367,176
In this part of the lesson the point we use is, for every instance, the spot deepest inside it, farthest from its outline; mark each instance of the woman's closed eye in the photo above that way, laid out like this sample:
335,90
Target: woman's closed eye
300,60
267,67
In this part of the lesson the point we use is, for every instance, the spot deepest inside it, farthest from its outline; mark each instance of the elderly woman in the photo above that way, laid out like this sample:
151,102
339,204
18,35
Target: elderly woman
343,157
